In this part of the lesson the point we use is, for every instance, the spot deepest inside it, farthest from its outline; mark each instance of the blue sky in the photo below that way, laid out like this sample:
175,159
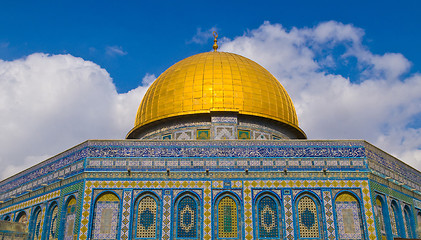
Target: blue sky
77,70
152,35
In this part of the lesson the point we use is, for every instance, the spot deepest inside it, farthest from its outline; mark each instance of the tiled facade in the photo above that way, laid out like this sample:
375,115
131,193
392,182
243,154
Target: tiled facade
215,190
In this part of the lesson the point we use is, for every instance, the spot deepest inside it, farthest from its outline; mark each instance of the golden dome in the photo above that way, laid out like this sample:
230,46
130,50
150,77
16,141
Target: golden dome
216,81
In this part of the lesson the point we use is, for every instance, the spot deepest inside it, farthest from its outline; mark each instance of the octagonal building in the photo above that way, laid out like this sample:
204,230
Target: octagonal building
216,152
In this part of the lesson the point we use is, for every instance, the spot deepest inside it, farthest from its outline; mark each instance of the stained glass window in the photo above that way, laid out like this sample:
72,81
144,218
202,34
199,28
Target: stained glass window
52,223
106,217
268,218
187,218
227,218
69,217
348,215
146,225
308,218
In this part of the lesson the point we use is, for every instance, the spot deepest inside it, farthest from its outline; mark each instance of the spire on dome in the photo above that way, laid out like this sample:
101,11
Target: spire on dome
215,45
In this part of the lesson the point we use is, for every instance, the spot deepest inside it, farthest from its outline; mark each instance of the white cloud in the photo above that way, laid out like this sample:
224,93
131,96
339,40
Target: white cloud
115,50
51,102
378,106
202,37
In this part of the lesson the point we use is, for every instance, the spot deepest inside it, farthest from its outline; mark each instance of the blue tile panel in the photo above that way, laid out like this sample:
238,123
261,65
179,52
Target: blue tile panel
187,218
268,218
349,220
105,220
72,162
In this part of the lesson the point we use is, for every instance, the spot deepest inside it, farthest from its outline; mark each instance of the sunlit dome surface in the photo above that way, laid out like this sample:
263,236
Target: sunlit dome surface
220,82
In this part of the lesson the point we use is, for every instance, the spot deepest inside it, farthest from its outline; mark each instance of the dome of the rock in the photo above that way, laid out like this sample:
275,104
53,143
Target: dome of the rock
216,82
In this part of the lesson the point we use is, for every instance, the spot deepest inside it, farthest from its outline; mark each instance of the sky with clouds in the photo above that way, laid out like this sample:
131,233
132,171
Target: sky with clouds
78,70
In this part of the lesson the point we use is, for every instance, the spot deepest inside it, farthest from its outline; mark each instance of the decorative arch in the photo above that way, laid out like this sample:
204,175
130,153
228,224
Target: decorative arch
106,217
145,224
309,216
187,223
380,213
69,217
408,221
51,222
35,224
419,224
349,216
21,217
395,219
267,209
227,216
6,218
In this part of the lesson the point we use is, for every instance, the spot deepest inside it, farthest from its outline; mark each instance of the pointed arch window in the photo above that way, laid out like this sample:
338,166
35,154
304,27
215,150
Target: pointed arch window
380,216
6,218
146,225
69,218
187,215
419,224
267,217
349,218
36,230
22,218
408,222
227,218
309,217
51,225
106,217
395,219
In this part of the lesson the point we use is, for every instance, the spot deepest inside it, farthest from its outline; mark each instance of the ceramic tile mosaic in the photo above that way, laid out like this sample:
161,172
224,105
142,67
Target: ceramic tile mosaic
227,221
31,202
125,219
146,218
52,224
348,220
308,220
105,220
166,217
289,216
330,221
70,218
187,216
393,213
247,195
268,218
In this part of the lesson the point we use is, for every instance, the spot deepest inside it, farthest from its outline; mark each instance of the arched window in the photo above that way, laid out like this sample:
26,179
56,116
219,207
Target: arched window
408,222
348,215
51,224
395,219
106,217
227,218
69,218
267,217
21,217
145,218
36,230
309,217
380,216
6,218
419,224
187,216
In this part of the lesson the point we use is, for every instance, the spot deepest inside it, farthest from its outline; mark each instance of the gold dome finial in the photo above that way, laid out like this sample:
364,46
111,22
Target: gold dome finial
215,45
